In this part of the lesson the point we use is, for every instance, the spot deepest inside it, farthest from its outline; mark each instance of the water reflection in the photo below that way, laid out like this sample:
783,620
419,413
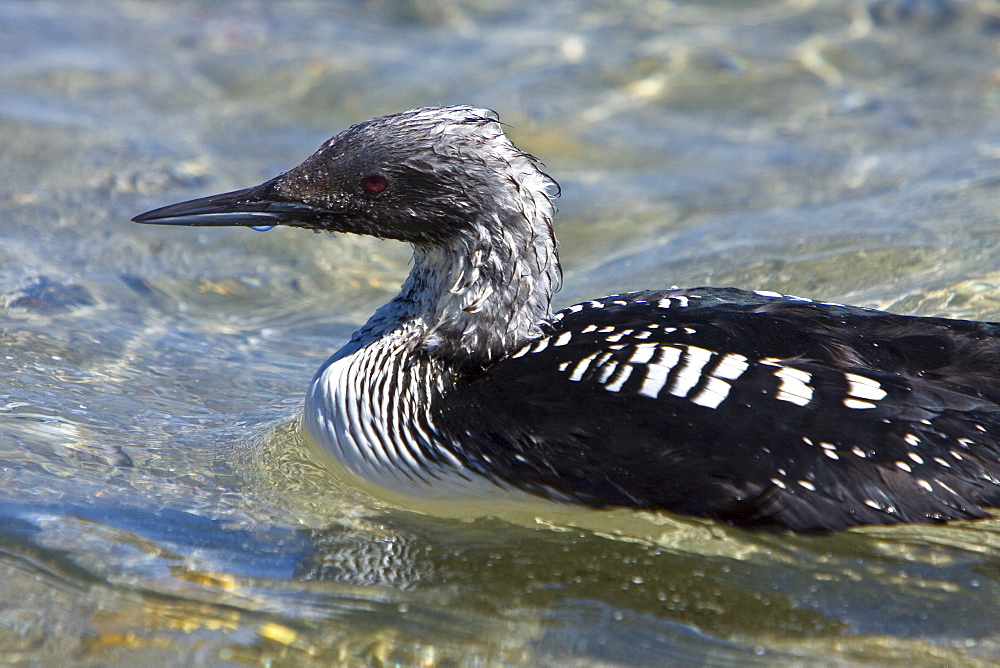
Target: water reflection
393,585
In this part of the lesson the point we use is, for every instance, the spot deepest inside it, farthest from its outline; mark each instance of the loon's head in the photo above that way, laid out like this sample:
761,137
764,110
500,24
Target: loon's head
424,176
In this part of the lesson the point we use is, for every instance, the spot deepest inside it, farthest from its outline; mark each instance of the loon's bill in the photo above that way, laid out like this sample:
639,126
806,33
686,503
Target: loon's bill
249,207
752,408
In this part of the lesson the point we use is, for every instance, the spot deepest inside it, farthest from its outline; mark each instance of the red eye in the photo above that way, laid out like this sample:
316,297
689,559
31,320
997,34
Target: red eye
374,183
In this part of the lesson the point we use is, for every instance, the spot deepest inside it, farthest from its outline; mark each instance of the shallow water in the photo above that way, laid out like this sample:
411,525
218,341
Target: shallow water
157,501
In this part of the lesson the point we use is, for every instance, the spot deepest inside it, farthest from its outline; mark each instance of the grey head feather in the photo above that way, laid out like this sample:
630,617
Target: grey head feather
483,279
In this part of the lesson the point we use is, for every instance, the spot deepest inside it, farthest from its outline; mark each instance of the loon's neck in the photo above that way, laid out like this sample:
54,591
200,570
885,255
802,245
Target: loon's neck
481,298
460,308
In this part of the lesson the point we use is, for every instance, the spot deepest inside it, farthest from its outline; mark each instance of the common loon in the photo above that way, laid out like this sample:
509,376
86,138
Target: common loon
753,408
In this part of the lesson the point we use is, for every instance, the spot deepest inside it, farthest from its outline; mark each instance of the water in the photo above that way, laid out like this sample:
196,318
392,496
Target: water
157,500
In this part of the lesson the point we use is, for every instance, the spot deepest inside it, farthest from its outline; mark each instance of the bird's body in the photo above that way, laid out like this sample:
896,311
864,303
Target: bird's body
757,409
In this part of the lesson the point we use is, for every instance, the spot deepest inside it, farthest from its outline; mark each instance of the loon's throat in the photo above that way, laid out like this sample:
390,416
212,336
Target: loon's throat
481,297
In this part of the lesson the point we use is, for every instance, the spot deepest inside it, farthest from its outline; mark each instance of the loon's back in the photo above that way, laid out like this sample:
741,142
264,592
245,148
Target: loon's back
758,410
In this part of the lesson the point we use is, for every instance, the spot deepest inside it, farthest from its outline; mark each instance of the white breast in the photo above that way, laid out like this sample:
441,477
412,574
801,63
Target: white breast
370,411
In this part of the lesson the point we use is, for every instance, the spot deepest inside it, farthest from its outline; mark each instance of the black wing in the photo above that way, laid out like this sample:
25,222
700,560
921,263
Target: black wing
756,409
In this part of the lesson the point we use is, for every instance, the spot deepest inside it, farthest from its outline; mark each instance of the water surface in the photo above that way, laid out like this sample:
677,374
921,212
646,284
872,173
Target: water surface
157,500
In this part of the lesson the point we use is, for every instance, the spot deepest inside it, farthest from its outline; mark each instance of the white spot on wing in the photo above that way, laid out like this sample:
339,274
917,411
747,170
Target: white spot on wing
690,372
656,373
606,370
945,487
581,367
730,366
768,293
713,393
857,403
624,371
793,385
562,339
862,387
643,353
615,338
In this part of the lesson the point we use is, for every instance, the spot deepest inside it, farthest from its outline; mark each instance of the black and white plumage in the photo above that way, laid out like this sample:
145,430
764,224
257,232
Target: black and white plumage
754,408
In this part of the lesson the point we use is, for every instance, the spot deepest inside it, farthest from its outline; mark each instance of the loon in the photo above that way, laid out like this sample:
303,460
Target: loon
756,409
